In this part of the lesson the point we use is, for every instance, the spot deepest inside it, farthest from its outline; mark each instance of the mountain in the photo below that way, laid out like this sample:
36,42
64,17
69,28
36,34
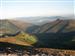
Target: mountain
7,27
40,20
53,34
54,27
57,34
11,31
22,25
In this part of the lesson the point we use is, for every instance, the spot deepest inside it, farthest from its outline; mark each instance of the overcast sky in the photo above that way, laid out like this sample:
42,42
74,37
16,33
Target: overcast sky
26,8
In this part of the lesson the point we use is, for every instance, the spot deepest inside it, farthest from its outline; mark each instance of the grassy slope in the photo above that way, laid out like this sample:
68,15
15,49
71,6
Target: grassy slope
21,39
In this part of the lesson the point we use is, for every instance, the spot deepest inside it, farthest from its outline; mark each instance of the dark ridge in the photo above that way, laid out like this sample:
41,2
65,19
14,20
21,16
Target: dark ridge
56,40
14,46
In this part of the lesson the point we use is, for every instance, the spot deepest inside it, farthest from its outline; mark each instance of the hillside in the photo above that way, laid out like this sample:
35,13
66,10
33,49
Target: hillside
54,27
20,39
70,27
55,34
7,27
11,32
22,25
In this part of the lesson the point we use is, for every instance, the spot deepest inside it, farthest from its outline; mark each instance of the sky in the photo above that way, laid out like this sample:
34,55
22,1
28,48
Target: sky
30,8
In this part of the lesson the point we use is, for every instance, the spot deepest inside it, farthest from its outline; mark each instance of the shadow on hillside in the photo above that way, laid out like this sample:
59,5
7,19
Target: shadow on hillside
56,40
5,45
33,28
53,40
48,40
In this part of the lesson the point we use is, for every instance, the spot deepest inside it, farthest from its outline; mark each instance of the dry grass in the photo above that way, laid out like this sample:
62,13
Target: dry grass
14,41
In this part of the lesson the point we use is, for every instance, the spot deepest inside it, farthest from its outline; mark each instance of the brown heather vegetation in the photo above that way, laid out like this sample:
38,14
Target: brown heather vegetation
14,41
57,51
20,39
